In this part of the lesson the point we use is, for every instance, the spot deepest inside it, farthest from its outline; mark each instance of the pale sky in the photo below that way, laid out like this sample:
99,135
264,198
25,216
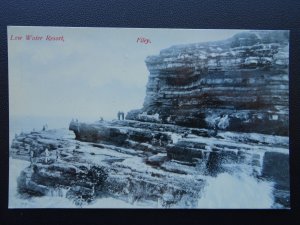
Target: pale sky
94,72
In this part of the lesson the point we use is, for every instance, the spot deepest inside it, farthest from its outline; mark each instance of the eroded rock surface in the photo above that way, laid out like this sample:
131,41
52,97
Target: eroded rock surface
170,167
210,108
240,84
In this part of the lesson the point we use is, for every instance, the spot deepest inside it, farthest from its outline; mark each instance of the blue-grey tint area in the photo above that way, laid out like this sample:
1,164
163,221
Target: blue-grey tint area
94,72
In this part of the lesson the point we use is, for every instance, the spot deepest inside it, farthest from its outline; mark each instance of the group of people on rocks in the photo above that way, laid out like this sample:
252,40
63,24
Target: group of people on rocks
33,151
120,115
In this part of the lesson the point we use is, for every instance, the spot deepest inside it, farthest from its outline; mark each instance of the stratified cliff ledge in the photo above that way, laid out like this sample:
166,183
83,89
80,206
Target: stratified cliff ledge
147,162
166,153
239,84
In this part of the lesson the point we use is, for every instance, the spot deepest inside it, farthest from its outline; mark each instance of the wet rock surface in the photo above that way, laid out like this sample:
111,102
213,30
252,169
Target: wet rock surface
210,108
169,165
276,168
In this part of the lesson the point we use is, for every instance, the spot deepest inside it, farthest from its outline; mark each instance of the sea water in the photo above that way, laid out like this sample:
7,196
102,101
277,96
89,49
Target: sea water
237,190
227,190
224,191
55,199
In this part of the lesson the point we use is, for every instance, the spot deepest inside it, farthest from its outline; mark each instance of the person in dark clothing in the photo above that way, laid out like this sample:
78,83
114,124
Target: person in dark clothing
122,115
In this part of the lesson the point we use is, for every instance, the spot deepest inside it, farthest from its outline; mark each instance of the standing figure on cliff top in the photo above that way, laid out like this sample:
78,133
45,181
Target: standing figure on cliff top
122,115
46,155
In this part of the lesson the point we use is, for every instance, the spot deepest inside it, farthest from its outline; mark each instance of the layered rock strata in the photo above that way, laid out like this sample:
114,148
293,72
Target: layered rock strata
210,108
170,166
239,84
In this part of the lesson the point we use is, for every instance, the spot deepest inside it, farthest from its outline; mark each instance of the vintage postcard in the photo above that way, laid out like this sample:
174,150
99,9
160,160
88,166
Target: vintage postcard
148,118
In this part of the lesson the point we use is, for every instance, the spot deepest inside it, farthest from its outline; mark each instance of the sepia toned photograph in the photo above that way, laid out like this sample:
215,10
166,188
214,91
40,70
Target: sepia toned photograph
148,118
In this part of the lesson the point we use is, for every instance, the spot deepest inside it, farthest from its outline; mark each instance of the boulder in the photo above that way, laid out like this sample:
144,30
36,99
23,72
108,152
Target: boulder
157,159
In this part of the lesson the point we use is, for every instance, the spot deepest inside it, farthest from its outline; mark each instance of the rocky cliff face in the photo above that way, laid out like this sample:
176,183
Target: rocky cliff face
238,84
166,154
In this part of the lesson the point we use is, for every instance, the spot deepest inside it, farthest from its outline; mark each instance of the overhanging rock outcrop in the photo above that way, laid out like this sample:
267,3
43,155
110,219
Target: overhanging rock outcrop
239,84
163,154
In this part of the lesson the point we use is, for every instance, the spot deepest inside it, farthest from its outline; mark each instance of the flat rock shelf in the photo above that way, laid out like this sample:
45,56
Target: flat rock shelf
143,161
211,110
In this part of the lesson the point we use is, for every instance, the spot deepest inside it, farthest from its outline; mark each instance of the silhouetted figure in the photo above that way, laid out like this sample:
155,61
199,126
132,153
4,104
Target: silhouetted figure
121,115
45,127
101,119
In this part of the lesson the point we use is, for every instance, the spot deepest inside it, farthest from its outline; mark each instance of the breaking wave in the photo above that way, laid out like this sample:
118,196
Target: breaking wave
236,191
224,191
